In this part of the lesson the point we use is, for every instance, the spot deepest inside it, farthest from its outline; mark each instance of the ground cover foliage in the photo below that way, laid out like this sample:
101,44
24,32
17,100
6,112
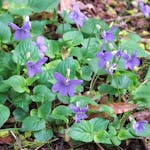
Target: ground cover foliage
70,78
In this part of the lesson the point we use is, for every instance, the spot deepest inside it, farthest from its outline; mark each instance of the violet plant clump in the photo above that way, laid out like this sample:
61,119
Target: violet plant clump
76,81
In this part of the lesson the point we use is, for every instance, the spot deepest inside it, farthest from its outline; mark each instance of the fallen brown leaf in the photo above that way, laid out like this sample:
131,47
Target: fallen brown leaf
6,140
118,108
142,115
66,5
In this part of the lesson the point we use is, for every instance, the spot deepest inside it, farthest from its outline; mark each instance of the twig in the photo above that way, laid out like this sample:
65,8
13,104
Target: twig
53,140
119,18
120,148
100,147
18,141
144,82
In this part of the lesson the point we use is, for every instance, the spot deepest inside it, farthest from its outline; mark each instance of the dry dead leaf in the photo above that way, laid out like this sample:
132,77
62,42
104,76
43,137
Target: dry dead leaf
118,108
6,140
66,5
142,115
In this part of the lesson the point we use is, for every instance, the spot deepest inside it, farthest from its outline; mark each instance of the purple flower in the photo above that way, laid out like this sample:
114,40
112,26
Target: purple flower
35,68
119,53
145,9
131,61
41,45
139,126
64,86
23,32
108,36
77,16
104,58
80,113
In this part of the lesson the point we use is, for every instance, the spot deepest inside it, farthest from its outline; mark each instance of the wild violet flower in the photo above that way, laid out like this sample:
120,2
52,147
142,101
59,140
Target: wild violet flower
108,36
41,45
131,61
119,53
77,16
35,68
64,86
80,113
139,126
145,9
21,33
104,58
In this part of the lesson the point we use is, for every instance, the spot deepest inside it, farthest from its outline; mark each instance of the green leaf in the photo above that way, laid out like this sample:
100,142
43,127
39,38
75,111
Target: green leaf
42,93
44,110
75,37
4,114
3,87
43,135
83,100
84,55
121,82
102,136
23,49
112,130
68,63
22,101
62,28
1,4
59,117
134,37
99,123
107,109
3,98
89,26
86,131
124,134
37,27
91,43
19,114
131,44
19,7
86,73
53,5
62,110
33,123
82,131
6,18
63,99
46,77
53,48
93,63
142,95
4,32
106,89
18,83
147,74
39,5
8,67
115,140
